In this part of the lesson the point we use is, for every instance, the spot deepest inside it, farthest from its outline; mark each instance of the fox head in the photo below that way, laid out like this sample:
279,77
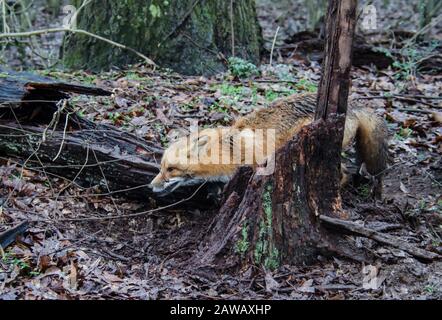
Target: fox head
191,160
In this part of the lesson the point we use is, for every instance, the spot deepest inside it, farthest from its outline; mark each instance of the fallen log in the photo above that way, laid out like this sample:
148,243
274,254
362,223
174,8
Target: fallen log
48,136
311,44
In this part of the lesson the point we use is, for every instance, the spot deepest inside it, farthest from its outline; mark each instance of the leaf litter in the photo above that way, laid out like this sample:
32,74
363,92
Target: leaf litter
142,258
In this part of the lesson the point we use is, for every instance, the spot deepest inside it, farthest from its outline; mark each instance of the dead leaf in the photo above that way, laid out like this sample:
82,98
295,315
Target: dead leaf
44,263
110,278
437,116
162,117
307,287
271,283
121,102
372,280
403,188
73,277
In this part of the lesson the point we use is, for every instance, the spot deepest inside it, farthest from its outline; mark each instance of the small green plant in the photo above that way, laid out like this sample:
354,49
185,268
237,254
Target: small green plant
187,107
216,106
411,57
241,68
155,11
134,76
403,133
114,116
8,258
271,95
364,191
230,90
430,289
11,260
306,85
243,244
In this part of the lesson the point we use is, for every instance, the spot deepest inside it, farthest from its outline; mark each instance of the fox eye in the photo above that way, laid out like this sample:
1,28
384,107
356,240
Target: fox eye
170,169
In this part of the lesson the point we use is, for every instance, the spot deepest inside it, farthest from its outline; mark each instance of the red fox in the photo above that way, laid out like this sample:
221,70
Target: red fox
210,154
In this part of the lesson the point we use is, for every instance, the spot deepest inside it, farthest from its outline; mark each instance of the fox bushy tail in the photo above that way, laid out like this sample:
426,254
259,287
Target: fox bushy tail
371,141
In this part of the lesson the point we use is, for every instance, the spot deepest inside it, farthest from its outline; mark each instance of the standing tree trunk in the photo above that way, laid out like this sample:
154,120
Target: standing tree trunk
275,219
188,36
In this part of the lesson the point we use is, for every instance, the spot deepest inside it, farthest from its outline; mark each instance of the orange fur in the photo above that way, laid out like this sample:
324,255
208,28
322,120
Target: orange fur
286,116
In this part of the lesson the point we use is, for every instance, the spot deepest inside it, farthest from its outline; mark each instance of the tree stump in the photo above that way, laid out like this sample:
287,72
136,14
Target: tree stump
273,220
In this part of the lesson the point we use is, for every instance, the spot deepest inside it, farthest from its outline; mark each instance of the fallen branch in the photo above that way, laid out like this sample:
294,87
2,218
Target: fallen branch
8,237
357,229
79,31
56,141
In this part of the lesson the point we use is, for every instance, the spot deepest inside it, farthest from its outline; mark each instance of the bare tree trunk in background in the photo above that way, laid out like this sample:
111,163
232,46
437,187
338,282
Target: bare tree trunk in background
334,86
273,220
188,36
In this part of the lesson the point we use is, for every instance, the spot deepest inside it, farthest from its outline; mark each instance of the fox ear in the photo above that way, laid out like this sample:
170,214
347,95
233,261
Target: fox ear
202,141
199,143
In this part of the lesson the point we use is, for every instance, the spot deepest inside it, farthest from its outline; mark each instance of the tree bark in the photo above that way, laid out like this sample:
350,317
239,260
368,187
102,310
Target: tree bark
188,36
335,81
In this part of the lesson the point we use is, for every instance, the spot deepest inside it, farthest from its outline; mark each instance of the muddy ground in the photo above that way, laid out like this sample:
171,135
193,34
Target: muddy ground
145,257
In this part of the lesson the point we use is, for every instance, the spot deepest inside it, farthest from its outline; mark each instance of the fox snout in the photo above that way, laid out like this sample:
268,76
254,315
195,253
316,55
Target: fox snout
162,183
158,183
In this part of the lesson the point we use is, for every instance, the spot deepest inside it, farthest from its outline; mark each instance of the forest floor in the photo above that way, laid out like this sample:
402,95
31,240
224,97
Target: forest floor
145,257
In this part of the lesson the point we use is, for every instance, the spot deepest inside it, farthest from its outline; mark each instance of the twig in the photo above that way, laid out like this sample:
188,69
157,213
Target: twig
232,27
273,45
76,176
79,31
125,216
105,181
183,19
414,110
34,153
63,137
357,229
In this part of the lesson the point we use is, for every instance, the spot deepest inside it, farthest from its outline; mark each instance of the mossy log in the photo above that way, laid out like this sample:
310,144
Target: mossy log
188,36
47,136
